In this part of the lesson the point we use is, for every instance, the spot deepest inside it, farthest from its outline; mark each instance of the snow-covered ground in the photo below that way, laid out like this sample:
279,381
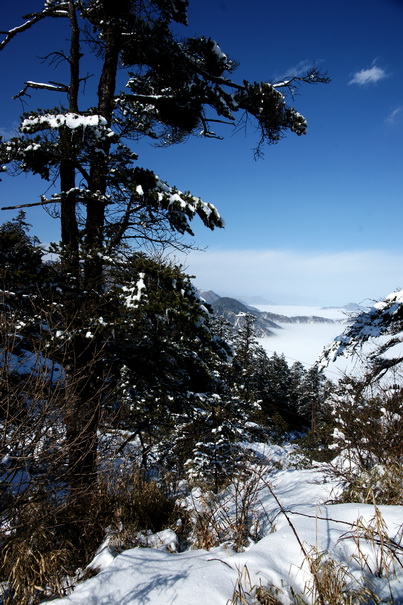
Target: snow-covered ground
297,531
304,528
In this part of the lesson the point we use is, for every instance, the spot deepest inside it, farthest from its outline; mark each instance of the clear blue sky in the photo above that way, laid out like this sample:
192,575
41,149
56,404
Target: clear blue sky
320,218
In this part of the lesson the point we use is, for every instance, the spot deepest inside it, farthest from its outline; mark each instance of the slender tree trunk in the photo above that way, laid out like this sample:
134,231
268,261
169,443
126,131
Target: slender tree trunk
88,391
95,223
69,226
84,380
83,417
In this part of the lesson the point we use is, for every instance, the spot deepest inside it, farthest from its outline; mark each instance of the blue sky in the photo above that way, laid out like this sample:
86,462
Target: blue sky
319,219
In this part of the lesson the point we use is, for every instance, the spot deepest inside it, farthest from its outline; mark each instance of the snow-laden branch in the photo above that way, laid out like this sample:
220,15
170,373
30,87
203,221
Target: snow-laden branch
81,194
182,207
133,294
383,319
69,120
29,205
42,86
51,10
312,76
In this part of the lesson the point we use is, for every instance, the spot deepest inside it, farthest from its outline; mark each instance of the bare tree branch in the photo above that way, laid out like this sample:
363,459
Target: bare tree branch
32,19
41,86
41,203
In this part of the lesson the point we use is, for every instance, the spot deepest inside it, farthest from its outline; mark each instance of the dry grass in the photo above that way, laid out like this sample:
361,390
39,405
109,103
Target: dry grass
382,483
42,555
332,582
138,505
35,557
231,516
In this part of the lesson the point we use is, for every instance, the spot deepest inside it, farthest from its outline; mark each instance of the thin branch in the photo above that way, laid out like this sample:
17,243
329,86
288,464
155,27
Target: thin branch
41,203
312,76
292,512
206,130
32,19
83,172
228,123
38,85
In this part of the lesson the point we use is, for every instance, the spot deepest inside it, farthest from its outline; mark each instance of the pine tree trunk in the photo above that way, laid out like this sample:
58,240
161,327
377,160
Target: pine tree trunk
68,218
84,404
86,401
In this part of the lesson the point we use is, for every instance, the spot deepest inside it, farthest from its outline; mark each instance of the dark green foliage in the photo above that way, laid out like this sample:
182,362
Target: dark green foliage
366,419
206,448
20,257
312,390
130,338
382,327
249,366
163,341
22,278
278,394
316,444
284,398
108,203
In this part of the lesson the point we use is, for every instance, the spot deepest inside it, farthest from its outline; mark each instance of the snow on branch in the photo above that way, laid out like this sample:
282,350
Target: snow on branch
384,318
69,119
132,294
311,76
81,194
182,207
52,9
97,124
42,86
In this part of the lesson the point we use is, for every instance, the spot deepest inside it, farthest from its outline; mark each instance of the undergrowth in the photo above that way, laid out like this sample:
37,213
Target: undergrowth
332,582
49,544
382,483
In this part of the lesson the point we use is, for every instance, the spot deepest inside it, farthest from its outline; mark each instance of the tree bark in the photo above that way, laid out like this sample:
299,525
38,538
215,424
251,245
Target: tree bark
86,406
69,225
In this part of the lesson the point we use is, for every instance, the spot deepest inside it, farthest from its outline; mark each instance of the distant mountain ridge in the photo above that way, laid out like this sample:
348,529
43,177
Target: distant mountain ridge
350,307
209,296
255,300
232,309
299,319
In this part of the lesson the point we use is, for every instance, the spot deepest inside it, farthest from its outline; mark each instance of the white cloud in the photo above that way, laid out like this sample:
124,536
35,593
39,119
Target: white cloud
372,75
395,116
301,68
298,69
289,276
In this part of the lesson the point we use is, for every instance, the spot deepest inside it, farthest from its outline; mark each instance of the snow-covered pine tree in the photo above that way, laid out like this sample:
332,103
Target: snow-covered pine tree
313,393
164,341
367,408
381,326
247,375
277,401
103,198
20,255
215,453
22,274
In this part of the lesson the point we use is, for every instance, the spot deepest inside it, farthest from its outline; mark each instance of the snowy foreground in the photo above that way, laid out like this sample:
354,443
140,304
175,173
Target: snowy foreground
289,539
